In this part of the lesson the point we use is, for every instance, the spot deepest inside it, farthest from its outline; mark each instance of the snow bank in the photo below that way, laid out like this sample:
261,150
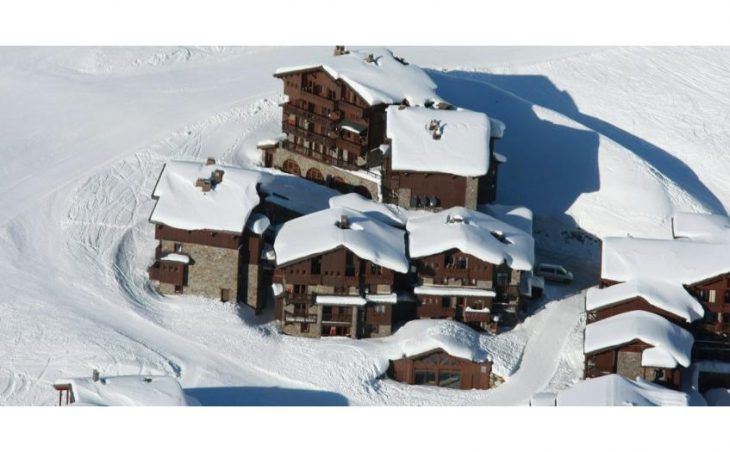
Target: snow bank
462,147
672,344
385,80
617,390
672,298
471,232
175,257
226,207
319,232
386,213
131,390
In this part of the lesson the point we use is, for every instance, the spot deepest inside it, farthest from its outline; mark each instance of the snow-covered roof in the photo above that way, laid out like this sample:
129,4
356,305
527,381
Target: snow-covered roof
452,291
319,232
700,256
474,233
517,216
293,192
462,147
385,80
128,390
672,298
176,257
226,207
341,300
258,223
617,390
390,298
386,213
671,345
420,336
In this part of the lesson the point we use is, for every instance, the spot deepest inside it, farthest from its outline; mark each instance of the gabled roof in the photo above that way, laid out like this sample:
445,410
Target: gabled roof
438,141
386,213
672,298
317,233
617,390
127,390
471,232
671,345
226,207
385,80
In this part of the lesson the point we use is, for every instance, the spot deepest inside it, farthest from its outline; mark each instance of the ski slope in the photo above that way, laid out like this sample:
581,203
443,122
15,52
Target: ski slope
599,142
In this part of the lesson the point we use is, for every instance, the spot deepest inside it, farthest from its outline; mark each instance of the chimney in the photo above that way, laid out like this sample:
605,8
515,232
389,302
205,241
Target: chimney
340,50
95,375
344,222
204,184
370,58
210,161
217,176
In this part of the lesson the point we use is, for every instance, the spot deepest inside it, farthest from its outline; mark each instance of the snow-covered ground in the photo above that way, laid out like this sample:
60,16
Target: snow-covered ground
599,142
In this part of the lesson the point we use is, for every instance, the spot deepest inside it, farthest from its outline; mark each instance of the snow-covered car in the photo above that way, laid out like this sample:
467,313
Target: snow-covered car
554,272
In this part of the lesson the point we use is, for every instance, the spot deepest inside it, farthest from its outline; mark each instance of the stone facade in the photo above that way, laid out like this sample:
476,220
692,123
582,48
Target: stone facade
211,269
472,192
280,155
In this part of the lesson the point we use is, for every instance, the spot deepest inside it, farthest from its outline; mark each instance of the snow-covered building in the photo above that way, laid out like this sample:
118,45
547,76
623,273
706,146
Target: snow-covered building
616,390
209,232
684,280
444,354
440,158
125,390
469,266
366,121
337,274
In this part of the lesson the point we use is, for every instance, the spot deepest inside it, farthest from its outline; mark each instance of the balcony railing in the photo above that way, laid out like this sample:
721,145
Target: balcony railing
306,134
308,115
317,99
353,109
288,145
299,318
430,311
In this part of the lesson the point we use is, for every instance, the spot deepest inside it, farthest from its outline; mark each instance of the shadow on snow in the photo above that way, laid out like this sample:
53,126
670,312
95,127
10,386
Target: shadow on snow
264,396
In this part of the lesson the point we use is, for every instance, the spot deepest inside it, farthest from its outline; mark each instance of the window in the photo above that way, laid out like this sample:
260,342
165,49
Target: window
178,247
316,265
425,377
349,264
445,302
380,309
449,379
712,295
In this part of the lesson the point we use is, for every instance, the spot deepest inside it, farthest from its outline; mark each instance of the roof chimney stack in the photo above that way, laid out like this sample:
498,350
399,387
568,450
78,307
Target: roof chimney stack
95,375
210,161
340,50
217,176
344,222
371,58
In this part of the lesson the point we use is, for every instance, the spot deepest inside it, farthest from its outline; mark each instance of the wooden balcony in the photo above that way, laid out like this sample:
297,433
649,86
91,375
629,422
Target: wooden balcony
478,317
358,112
307,135
349,146
316,99
430,311
288,145
168,272
309,116
300,318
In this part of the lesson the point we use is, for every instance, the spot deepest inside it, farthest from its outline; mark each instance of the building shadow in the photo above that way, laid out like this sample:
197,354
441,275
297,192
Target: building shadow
563,159
264,396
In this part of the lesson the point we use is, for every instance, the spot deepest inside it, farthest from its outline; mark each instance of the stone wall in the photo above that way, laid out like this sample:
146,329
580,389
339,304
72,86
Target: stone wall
210,270
472,193
305,164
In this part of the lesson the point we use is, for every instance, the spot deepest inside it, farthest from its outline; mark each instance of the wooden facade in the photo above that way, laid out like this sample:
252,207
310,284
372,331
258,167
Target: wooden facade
438,368
454,269
626,360
340,273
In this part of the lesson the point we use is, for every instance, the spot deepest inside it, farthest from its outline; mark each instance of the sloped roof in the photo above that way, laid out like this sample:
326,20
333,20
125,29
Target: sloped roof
475,233
671,345
386,213
672,298
461,149
319,232
180,204
384,81
127,390
617,390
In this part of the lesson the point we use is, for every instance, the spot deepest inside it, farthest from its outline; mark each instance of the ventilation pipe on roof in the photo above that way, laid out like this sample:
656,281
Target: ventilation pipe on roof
370,58
95,375
344,222
340,50
210,161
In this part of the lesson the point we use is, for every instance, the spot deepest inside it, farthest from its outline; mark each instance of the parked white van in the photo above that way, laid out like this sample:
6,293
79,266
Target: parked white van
554,272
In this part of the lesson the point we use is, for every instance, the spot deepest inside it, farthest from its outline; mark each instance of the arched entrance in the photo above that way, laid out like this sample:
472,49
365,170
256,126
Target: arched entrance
291,167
